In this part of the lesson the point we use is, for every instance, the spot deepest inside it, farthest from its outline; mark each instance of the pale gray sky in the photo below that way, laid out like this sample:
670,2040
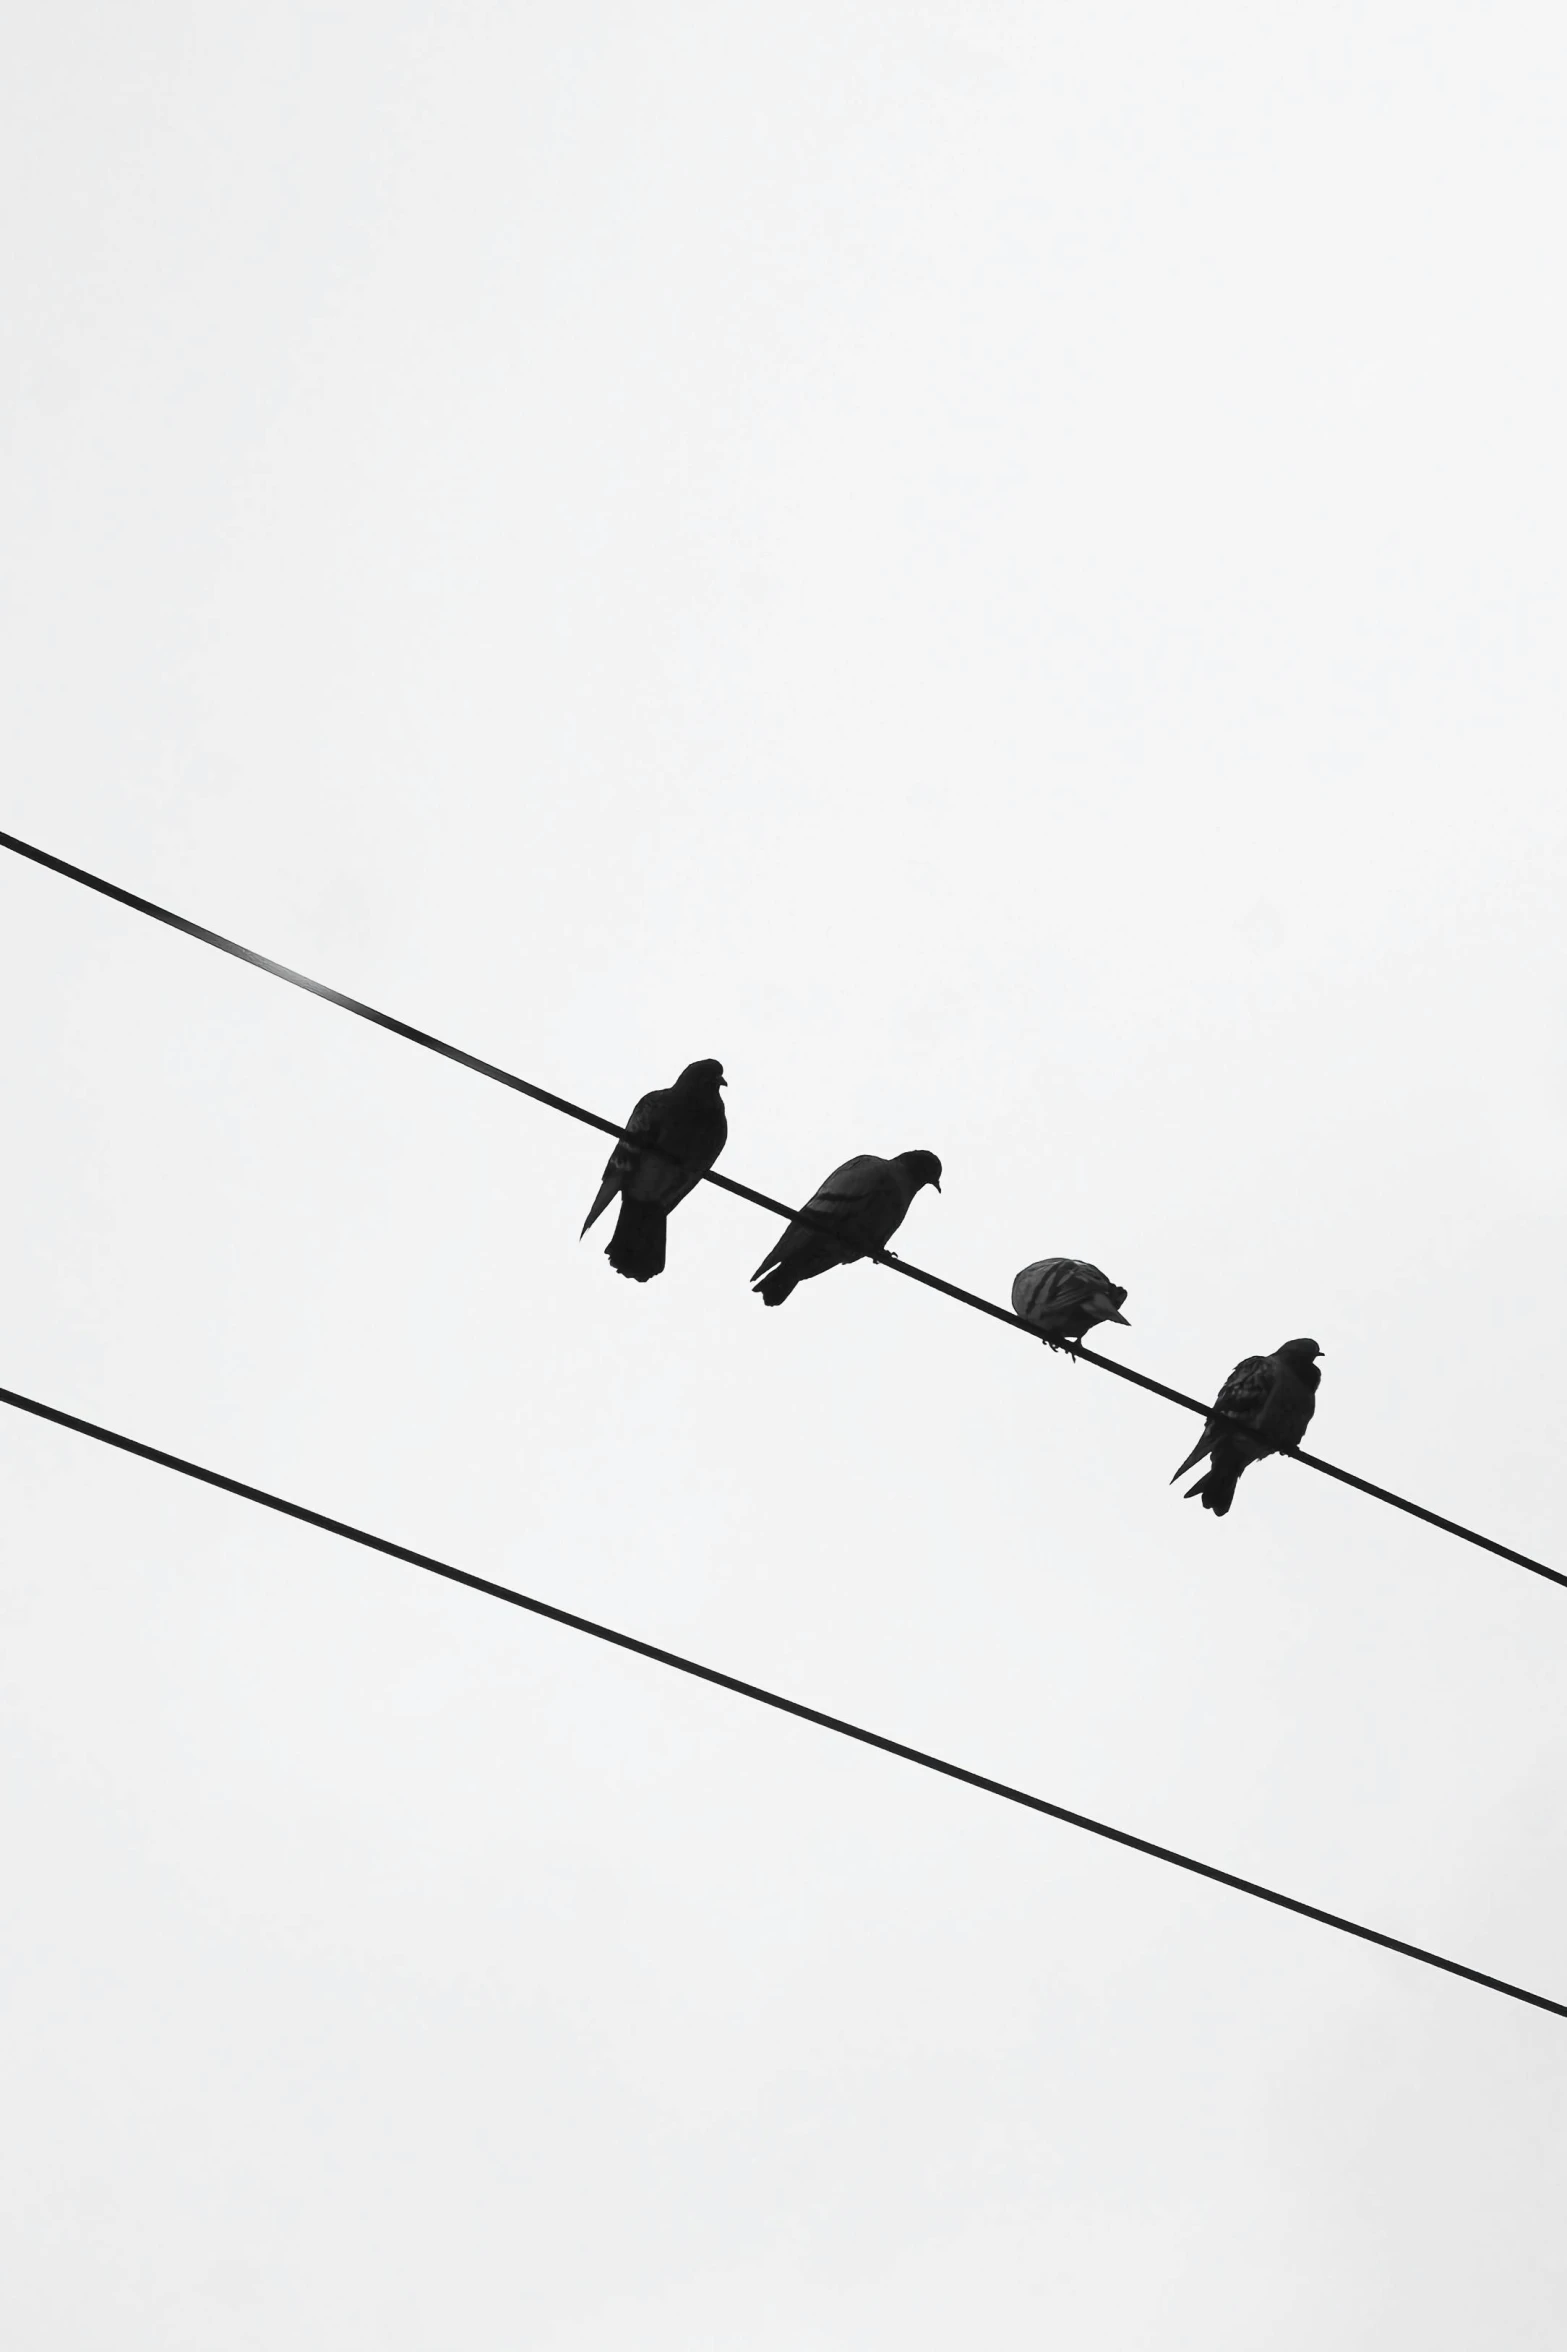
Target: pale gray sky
999,569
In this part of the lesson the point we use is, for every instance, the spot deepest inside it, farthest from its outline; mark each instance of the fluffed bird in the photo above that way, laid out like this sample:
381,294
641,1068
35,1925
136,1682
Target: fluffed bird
1062,1298
1273,1399
672,1138
856,1212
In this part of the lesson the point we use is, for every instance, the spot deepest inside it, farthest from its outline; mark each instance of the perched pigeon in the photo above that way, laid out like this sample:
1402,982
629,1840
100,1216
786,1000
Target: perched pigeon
1274,1397
862,1203
672,1138
1061,1298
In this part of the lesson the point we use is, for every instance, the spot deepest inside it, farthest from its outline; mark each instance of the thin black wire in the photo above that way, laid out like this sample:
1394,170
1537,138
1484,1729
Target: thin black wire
774,1699
761,1200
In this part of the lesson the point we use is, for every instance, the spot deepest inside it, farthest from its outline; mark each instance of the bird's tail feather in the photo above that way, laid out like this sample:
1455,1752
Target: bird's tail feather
777,1286
636,1247
1217,1488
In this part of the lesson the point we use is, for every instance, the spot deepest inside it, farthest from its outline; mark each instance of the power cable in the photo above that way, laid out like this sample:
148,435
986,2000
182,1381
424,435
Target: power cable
761,1200
775,1699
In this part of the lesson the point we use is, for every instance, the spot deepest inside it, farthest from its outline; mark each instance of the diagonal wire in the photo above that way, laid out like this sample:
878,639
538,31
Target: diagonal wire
774,1699
760,1200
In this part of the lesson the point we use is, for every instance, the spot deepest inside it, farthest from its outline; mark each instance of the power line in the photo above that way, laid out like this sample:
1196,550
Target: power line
774,1699
760,1200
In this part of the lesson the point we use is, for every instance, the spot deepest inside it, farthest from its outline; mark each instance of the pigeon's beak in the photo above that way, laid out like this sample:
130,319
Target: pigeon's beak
936,1181
1118,1317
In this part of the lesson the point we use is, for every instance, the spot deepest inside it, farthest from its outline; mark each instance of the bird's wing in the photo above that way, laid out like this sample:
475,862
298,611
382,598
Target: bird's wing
845,1204
1203,1446
848,1187
1242,1398
641,1129
863,1200
1039,1290
678,1153
1248,1388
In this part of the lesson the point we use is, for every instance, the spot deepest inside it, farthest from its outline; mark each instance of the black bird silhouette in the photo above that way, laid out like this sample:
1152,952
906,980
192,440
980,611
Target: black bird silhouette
862,1204
672,1138
1273,1397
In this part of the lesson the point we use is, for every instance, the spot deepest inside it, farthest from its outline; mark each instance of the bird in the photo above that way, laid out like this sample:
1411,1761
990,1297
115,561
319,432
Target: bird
1061,1298
854,1214
1273,1399
671,1140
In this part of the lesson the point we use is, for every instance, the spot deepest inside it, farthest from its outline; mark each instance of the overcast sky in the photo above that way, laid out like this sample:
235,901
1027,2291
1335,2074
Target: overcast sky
997,568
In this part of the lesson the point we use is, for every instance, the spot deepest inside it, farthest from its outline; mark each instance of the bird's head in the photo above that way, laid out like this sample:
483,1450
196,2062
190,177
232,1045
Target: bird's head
701,1078
1300,1351
923,1168
1108,1297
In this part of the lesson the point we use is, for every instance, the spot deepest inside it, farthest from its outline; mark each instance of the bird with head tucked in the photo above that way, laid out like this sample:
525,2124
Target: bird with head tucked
1062,1298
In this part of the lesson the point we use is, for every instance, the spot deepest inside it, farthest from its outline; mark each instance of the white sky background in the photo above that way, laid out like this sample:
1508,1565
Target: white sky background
997,568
